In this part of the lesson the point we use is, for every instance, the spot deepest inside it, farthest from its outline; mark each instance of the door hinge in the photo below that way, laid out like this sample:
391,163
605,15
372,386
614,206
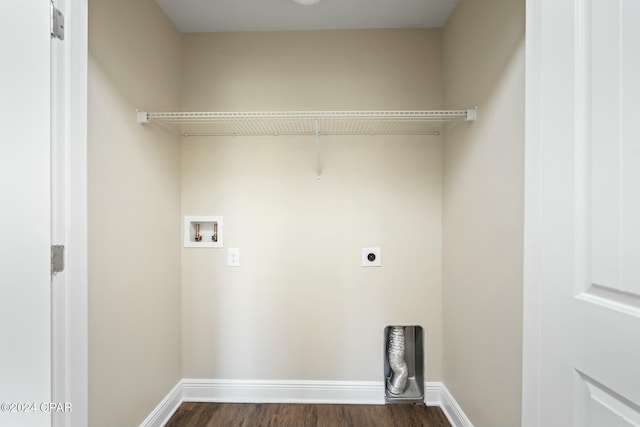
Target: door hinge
57,23
57,259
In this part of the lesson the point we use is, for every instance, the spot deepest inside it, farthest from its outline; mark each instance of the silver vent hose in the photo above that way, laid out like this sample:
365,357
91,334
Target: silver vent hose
398,380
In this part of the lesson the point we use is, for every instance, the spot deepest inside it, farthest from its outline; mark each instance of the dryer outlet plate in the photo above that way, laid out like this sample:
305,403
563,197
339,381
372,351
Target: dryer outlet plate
371,257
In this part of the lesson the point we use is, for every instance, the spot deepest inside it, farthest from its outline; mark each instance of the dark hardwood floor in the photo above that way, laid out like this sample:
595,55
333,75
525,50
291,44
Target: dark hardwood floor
303,415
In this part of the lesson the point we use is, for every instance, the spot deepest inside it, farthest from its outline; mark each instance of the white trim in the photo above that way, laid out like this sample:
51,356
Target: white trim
433,393
166,408
532,250
437,394
78,231
70,326
279,391
453,411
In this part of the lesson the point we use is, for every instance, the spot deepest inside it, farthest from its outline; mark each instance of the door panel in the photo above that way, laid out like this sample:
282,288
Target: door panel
612,151
605,334
614,133
603,407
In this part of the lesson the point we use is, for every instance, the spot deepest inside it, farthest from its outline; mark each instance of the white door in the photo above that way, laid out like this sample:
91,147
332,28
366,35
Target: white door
582,232
25,218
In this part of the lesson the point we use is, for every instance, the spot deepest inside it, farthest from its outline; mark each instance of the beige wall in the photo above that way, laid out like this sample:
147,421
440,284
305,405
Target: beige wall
483,65
300,306
134,213
312,70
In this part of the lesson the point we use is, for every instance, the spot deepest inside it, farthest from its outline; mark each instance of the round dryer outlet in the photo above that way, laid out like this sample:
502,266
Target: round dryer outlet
371,257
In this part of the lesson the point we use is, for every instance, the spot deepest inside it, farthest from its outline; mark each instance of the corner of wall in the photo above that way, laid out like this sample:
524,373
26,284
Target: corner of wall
483,65
133,202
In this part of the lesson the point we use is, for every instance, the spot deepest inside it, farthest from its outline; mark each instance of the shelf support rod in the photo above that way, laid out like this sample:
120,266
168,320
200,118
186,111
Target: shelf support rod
318,166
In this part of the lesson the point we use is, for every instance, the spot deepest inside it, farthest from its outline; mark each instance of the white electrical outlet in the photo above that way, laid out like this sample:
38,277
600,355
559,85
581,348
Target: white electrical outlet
233,258
371,257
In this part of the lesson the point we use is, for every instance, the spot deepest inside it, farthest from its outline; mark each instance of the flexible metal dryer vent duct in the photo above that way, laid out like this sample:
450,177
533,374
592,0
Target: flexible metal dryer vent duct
398,380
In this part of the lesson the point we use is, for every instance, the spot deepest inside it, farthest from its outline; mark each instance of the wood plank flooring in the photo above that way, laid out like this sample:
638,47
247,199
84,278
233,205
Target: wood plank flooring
192,414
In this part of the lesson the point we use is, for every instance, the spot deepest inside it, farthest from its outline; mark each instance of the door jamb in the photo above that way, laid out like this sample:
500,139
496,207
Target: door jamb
75,326
532,315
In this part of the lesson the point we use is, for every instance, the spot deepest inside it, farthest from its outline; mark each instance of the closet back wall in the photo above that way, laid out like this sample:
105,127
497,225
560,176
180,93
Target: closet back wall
300,306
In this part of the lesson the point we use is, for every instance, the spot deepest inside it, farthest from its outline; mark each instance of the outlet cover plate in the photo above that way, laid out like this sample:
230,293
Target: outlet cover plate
233,257
371,257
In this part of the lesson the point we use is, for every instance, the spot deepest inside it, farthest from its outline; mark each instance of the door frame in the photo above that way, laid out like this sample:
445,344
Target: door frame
532,273
77,257
71,321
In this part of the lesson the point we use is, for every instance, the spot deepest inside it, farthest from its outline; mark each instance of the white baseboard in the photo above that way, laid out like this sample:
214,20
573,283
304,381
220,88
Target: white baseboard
437,394
433,393
278,391
166,408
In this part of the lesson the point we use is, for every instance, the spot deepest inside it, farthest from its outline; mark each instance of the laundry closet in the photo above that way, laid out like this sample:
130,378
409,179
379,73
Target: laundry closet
297,314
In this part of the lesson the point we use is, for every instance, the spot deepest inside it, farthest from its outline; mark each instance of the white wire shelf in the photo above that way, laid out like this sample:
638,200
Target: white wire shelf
317,123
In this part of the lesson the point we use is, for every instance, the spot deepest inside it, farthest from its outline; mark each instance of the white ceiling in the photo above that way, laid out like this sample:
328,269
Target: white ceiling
278,15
